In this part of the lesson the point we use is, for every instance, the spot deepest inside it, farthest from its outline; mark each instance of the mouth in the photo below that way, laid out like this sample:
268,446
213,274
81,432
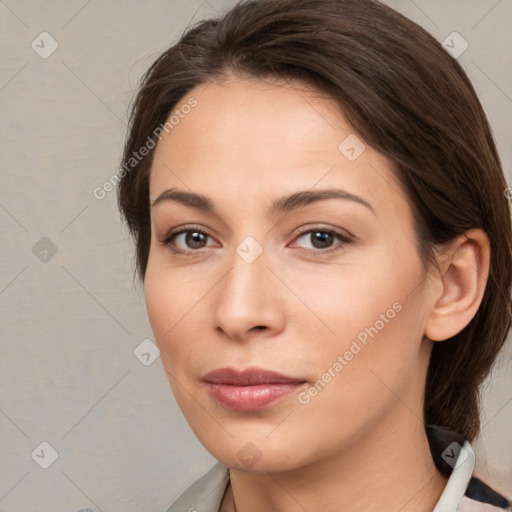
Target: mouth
250,389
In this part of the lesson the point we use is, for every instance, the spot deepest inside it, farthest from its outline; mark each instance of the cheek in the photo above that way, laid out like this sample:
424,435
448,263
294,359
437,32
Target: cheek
165,303
370,309
380,345
173,299
159,304
340,301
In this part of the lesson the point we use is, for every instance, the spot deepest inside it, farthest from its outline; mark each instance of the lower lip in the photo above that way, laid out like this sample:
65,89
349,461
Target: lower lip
251,398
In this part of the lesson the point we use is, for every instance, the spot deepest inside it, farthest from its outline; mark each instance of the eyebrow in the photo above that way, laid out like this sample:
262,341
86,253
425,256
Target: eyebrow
281,205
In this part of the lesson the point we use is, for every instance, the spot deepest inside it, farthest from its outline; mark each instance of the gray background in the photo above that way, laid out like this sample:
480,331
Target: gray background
71,319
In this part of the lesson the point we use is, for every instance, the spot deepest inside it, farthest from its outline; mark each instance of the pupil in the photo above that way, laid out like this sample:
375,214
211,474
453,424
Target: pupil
323,239
194,239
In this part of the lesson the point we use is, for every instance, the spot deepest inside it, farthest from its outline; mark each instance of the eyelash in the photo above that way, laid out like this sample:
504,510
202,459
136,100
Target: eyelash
345,240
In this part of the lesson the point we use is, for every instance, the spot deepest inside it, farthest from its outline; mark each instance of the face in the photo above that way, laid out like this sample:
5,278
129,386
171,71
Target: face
282,242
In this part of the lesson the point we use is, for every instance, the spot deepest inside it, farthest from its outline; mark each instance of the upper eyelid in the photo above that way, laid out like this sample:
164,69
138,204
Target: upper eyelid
185,229
302,231
321,228
342,237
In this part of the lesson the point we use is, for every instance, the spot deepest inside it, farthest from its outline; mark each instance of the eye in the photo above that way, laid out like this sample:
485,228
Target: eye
187,240
321,239
317,240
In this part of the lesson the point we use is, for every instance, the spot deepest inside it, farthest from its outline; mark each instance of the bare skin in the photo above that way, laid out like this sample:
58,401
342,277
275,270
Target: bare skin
358,444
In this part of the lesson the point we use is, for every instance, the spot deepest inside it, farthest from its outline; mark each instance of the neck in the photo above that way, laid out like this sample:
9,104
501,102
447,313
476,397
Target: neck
388,470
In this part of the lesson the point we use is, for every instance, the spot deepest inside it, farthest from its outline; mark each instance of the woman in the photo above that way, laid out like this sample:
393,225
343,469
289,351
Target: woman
324,239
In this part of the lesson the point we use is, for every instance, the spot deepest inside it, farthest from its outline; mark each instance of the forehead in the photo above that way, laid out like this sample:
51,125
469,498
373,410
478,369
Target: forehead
255,115
252,138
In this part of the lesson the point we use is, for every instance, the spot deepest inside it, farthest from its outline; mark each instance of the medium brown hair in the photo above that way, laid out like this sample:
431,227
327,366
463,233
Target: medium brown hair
408,98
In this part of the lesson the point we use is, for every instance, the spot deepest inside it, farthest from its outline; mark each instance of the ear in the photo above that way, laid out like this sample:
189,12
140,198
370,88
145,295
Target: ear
460,286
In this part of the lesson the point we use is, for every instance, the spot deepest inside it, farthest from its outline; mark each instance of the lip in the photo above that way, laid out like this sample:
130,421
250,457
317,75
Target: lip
249,389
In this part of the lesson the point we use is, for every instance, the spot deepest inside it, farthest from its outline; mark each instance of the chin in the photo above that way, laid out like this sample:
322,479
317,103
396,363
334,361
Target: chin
254,454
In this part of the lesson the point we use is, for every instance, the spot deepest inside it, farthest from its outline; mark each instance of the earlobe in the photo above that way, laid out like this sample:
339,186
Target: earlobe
463,278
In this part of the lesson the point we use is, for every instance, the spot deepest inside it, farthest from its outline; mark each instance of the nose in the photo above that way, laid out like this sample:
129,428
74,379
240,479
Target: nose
249,301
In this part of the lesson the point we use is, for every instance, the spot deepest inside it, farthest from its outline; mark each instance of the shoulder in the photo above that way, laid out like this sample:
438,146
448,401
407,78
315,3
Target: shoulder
205,494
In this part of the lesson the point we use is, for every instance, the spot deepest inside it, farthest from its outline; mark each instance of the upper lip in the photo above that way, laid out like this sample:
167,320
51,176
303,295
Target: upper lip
247,377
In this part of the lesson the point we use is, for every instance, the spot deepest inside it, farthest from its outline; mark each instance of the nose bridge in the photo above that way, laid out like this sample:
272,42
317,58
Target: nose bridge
246,297
247,278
